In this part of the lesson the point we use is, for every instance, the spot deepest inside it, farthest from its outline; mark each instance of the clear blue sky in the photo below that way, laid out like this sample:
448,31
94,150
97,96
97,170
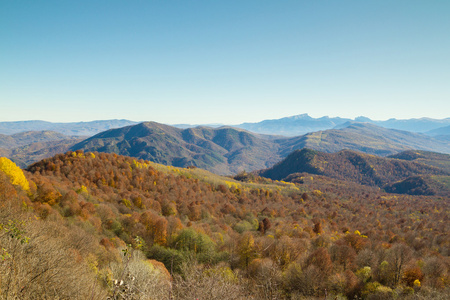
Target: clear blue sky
223,61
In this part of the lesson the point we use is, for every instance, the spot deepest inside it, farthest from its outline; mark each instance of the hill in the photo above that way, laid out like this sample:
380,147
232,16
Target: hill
69,128
439,160
421,185
361,168
25,155
25,148
441,133
222,150
29,137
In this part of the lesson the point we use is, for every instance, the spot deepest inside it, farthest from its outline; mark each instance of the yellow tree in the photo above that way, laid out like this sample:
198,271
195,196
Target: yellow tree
14,173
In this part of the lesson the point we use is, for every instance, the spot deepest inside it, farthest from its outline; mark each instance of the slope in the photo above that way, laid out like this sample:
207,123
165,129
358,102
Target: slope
438,160
442,133
91,220
352,166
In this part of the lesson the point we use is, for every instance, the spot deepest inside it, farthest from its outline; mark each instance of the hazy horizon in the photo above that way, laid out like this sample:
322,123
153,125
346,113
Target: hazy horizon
226,124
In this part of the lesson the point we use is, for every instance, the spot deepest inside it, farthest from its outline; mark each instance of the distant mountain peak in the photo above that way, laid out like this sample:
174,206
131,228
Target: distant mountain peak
300,117
362,119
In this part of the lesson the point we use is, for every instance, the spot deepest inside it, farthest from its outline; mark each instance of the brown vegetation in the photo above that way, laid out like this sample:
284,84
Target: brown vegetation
96,225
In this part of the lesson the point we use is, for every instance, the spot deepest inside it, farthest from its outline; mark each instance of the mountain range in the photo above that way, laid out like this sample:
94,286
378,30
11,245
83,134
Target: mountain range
364,137
288,126
223,150
229,150
70,128
302,124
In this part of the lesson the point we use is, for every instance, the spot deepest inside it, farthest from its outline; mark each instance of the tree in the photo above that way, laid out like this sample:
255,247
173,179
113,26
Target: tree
342,254
160,231
318,228
246,249
320,258
47,193
412,274
14,173
398,256
434,270
264,225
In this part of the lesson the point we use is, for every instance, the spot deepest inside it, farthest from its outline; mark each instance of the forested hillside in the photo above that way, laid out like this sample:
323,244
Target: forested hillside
439,160
91,225
408,172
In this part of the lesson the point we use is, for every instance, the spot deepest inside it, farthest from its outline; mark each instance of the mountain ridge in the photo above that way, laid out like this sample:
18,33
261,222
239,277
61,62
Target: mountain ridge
223,150
70,128
226,150
303,123
287,126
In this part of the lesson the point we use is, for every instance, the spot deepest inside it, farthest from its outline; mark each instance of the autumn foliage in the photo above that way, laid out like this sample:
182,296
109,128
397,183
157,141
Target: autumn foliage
194,232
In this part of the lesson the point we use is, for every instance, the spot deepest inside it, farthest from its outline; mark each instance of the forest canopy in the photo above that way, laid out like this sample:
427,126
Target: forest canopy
133,229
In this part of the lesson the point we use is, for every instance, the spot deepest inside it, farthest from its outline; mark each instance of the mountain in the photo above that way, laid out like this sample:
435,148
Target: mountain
288,126
185,126
439,160
29,137
25,155
71,128
223,150
441,133
364,169
25,148
415,125
302,124
421,185
229,150
364,137
293,126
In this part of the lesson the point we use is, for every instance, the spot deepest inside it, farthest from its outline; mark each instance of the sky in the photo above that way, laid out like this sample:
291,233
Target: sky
228,62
